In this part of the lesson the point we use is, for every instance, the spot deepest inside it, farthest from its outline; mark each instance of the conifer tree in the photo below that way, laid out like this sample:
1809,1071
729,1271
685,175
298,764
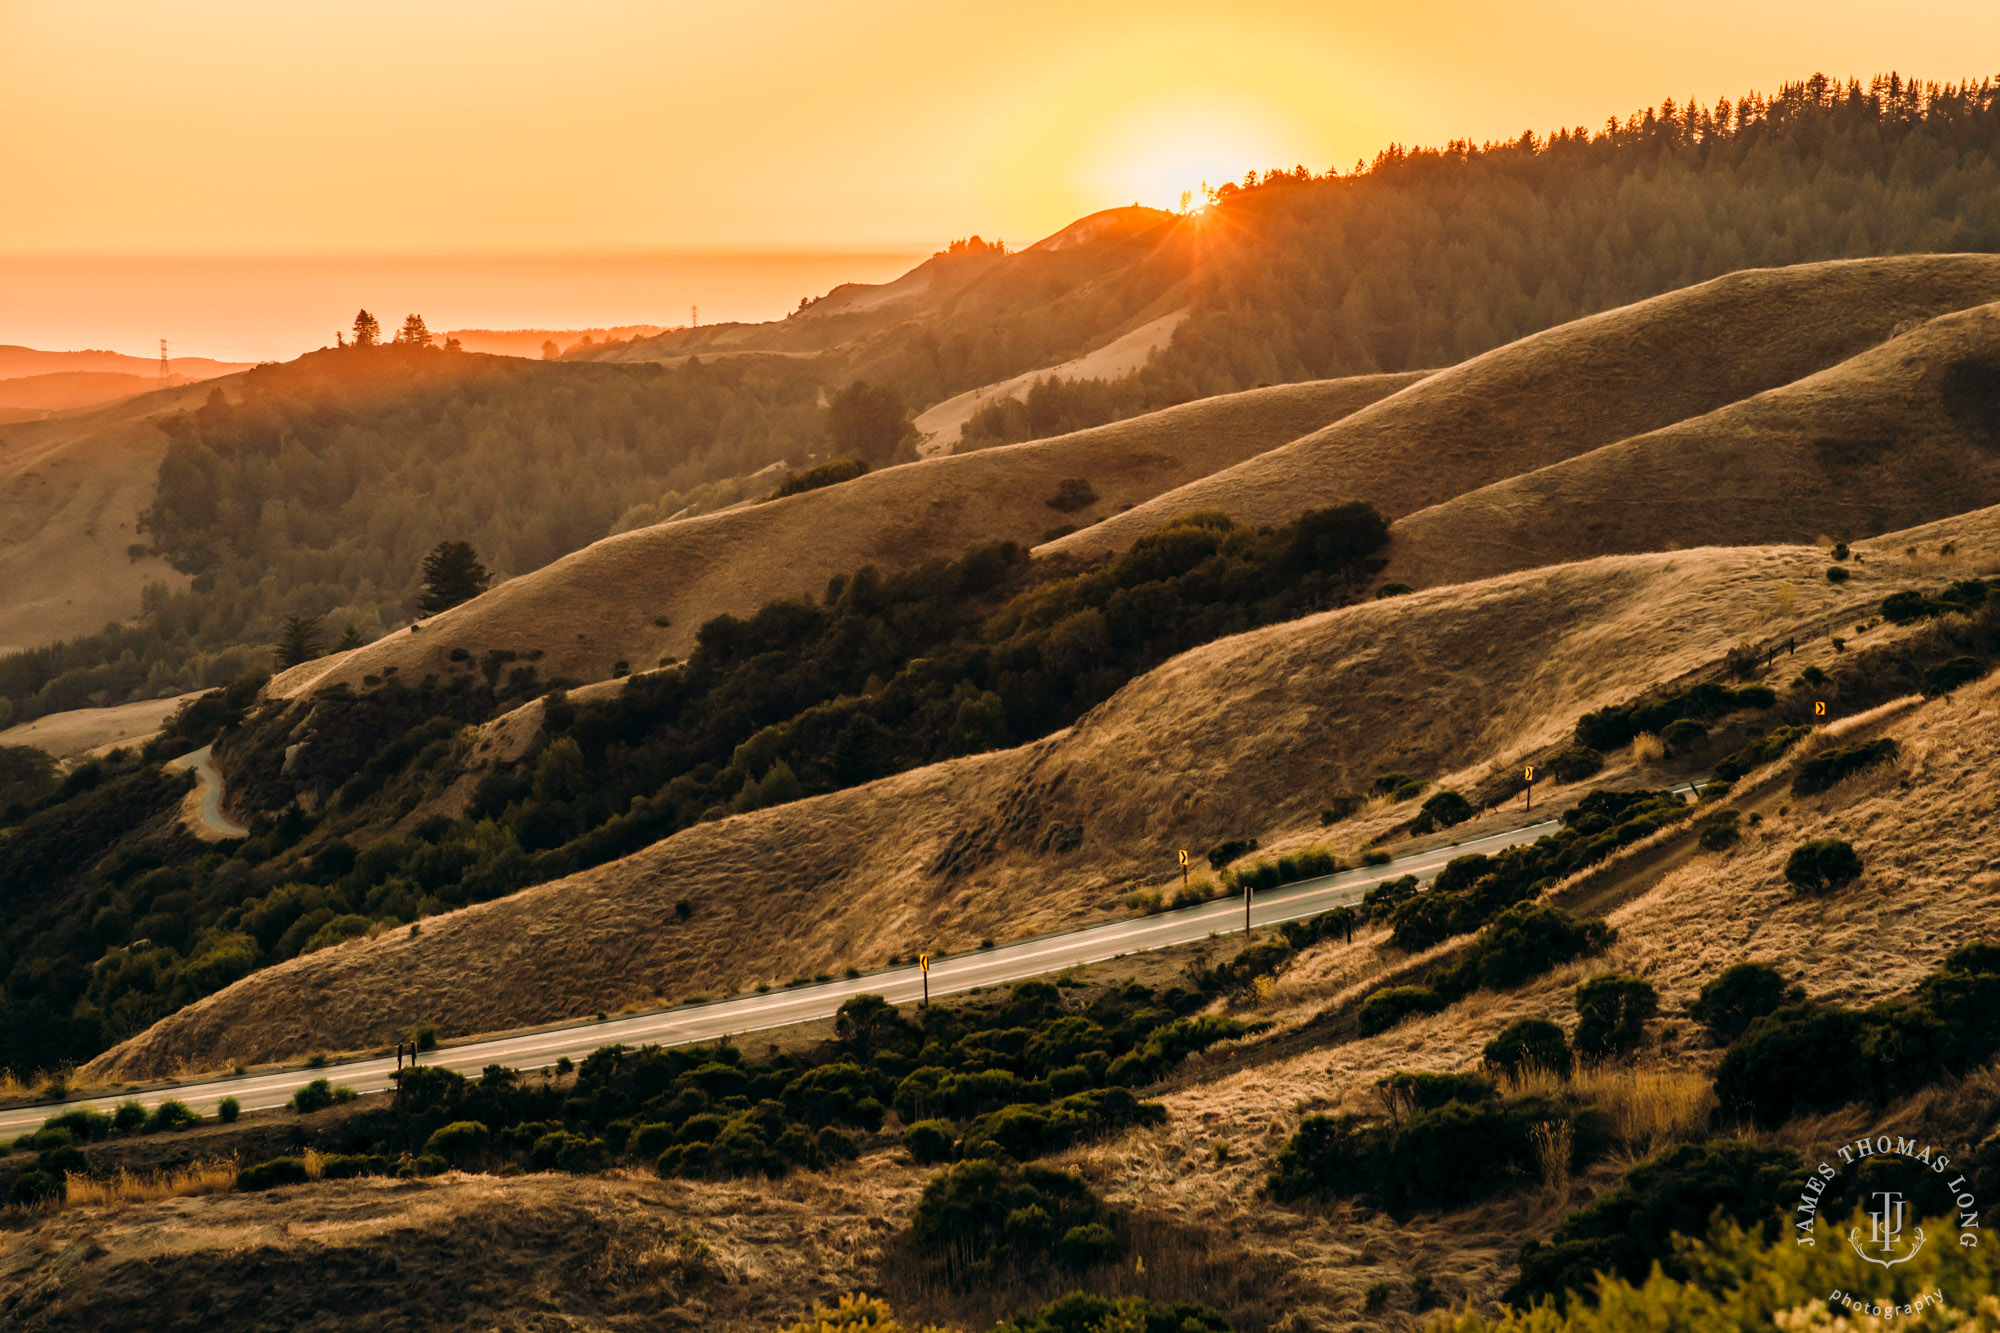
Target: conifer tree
414,333
299,641
350,639
367,330
452,574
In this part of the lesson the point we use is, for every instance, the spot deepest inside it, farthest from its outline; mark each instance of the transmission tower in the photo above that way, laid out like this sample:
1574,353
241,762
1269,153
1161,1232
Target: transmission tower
694,316
166,372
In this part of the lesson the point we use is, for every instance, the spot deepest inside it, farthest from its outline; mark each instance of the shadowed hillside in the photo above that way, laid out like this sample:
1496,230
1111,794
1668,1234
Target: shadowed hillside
639,598
1576,388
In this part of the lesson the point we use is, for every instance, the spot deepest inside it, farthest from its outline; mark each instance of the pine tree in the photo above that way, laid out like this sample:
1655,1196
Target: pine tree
350,639
452,574
367,330
299,642
414,333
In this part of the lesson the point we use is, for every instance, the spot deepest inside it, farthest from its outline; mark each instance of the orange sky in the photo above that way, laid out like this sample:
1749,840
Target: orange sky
227,127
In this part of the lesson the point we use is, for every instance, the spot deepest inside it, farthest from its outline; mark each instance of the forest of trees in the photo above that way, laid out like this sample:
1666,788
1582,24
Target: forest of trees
1429,256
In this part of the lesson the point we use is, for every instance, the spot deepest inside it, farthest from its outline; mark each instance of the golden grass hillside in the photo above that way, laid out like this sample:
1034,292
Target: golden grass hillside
71,492
1245,736
606,603
1578,387
1885,440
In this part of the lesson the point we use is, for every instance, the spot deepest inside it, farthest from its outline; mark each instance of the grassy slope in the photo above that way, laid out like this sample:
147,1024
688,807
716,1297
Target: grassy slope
1578,387
71,491
1864,447
597,607
1242,737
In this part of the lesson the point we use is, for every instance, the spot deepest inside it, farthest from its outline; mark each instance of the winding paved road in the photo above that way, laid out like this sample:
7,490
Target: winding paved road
205,773
754,1013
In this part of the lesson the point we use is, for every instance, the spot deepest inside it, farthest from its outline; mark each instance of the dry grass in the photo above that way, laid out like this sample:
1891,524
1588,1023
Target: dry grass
1648,748
599,606
214,1175
1649,1107
1577,388
1231,739
1866,445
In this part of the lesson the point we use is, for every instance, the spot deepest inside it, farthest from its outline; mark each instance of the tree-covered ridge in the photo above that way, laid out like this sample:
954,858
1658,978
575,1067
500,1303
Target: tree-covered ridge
321,491
1428,256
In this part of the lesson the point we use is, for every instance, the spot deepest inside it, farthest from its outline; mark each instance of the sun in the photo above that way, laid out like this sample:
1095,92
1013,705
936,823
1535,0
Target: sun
1163,154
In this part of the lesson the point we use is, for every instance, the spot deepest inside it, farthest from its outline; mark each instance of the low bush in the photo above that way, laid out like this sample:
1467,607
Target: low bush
1617,726
1442,810
1443,1157
1228,850
228,1109
1308,863
272,1174
1530,1045
1765,749
1719,831
1407,1091
1740,995
1822,771
34,1186
320,1094
1806,1057
459,1142
1822,865
1574,763
1949,675
1080,1312
171,1115
1612,1012
1679,1193
1024,1132
930,1141
826,474
1835,574
1072,494
1339,806
1396,786
1683,736
1392,1004
983,1218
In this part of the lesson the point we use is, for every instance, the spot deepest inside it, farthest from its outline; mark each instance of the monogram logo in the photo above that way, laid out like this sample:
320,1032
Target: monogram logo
1885,1232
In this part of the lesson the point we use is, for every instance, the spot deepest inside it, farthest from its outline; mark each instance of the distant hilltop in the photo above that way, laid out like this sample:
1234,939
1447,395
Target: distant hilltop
533,342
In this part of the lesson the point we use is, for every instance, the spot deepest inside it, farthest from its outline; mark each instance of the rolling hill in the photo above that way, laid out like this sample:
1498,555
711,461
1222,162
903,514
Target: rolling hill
1247,736
604,604
1569,390
1902,433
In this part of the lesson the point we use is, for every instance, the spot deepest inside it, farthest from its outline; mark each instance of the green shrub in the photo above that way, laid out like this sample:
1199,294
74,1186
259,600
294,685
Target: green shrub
1375,856
1228,850
1072,494
1399,786
1527,1045
1822,865
1611,1014
1574,763
1392,1004
826,474
459,1142
84,1125
1407,1091
1907,607
1835,574
172,1115
1948,676
1822,771
1443,810
930,1141
228,1109
1678,1193
1802,1057
1522,943
1683,736
1339,806
427,1036
1079,1312
35,1186
320,1094
1446,1157
1740,995
130,1117
1719,832
977,1220
1089,1245
272,1173
564,1151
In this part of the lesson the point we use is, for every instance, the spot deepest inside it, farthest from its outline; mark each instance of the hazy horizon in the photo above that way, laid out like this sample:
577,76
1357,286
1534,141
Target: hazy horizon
259,308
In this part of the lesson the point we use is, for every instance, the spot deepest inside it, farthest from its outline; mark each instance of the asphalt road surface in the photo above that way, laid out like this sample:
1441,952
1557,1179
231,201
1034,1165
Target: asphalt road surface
211,794
755,1013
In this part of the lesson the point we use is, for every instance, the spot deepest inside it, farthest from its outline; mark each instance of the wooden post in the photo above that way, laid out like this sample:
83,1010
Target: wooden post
924,965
